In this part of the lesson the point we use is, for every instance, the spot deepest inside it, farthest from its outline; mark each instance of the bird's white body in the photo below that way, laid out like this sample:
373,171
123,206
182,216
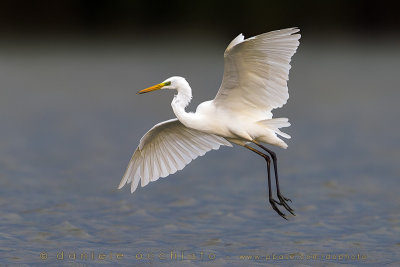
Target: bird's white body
255,82
238,128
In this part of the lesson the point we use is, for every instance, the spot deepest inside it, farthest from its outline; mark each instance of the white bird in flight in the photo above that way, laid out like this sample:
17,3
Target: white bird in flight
255,82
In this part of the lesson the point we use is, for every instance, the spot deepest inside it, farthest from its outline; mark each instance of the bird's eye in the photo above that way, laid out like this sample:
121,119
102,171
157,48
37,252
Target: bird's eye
168,83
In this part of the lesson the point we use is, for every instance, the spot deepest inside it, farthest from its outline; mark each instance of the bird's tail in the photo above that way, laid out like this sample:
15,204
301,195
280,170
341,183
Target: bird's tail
275,124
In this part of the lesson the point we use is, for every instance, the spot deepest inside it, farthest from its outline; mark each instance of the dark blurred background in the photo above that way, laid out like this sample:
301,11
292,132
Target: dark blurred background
133,19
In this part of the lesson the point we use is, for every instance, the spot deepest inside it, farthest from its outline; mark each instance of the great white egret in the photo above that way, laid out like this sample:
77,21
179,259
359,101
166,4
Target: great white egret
255,82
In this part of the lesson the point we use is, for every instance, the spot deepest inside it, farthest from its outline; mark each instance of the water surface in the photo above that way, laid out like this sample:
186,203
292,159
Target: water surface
70,120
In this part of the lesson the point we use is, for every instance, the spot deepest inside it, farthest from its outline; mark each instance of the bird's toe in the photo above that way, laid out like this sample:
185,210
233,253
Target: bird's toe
273,203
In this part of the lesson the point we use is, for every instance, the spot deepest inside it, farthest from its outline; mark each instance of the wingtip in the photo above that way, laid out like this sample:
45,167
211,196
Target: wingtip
132,189
291,31
294,29
235,41
123,181
120,185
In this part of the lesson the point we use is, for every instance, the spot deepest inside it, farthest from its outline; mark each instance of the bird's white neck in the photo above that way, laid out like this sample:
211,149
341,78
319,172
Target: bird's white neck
180,102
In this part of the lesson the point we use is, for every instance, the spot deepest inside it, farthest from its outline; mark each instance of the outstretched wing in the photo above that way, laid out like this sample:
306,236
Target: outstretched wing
256,71
168,147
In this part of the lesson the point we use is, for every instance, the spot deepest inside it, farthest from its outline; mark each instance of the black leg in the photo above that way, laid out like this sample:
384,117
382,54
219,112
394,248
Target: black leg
272,201
281,198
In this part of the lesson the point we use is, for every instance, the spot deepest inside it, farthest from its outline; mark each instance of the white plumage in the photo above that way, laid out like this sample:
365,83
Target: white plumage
256,71
255,82
168,147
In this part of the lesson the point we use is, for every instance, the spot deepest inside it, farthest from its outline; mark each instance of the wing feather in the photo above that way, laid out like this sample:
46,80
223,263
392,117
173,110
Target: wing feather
183,154
168,147
164,170
256,71
135,182
170,158
151,163
165,155
144,169
175,154
188,151
157,173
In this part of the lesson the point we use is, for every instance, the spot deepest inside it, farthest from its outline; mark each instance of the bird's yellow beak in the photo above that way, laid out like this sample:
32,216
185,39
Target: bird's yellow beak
153,88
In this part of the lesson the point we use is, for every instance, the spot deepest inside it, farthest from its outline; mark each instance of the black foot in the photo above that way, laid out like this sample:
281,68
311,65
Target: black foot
273,203
282,202
286,199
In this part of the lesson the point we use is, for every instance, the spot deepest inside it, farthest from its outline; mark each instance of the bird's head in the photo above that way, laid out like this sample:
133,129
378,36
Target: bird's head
174,82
